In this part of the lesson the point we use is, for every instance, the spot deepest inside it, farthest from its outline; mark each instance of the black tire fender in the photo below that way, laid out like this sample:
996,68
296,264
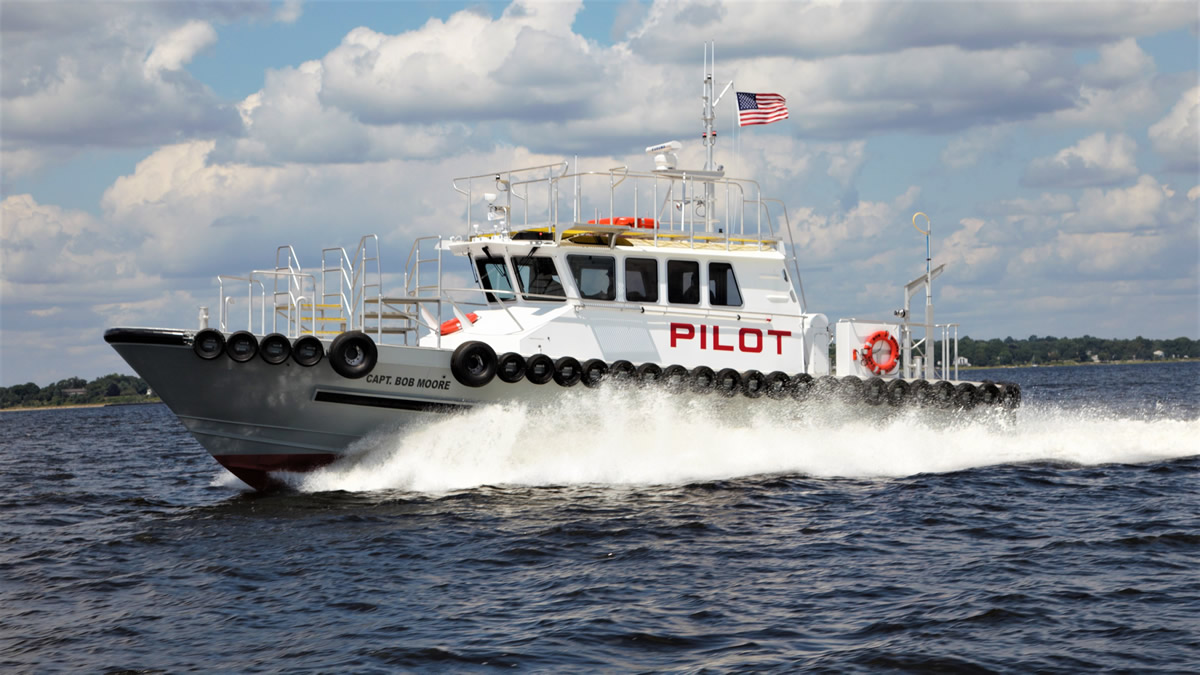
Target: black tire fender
897,393
308,351
943,394
242,346
594,371
920,393
510,367
754,384
649,374
473,363
622,370
275,349
850,389
675,378
567,371
778,385
1010,395
874,391
728,382
353,355
208,344
539,369
801,386
989,394
965,396
702,379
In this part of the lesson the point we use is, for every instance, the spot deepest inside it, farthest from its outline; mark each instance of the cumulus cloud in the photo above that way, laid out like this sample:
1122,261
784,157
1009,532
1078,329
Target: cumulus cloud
1119,62
1176,137
107,75
1136,207
289,11
177,48
820,29
967,149
1095,160
468,67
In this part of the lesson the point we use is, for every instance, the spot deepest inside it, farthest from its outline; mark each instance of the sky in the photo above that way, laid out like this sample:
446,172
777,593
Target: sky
146,147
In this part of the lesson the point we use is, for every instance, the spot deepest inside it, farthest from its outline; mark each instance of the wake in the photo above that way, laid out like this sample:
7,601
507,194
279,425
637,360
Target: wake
634,437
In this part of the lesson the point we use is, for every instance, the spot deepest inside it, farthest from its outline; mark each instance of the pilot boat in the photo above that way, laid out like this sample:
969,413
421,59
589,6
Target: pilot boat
662,277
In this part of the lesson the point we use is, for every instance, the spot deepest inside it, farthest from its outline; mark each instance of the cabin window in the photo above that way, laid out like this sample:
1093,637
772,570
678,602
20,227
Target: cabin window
493,274
641,280
595,276
722,286
683,282
539,279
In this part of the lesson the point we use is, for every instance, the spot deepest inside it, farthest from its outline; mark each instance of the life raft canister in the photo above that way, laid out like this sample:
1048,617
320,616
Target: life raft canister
644,223
868,353
454,325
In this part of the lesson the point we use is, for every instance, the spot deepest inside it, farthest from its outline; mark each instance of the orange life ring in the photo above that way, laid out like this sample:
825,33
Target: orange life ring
454,325
868,352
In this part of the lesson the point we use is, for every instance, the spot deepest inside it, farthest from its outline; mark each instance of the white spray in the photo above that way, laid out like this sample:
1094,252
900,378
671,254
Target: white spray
632,437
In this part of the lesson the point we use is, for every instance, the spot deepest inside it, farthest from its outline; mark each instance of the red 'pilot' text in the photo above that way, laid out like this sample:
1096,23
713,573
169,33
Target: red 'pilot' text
748,339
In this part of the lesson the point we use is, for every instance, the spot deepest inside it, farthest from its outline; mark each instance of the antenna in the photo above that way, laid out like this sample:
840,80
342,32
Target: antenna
910,289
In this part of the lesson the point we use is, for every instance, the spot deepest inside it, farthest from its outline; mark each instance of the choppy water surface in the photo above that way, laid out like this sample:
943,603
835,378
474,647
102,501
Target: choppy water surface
625,531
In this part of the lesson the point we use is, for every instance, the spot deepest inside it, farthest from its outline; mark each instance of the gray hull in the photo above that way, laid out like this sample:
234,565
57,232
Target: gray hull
256,418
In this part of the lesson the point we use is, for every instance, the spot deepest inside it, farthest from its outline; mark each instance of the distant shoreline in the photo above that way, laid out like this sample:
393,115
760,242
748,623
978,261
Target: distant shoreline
70,406
1058,364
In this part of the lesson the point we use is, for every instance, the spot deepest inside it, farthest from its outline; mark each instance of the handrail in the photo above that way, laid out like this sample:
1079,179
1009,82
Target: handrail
225,300
787,225
295,301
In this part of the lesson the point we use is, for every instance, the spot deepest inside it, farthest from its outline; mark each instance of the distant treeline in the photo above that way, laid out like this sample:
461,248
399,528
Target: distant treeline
75,390
1086,349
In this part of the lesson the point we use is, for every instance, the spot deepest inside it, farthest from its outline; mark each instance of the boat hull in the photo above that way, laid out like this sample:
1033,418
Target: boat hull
256,418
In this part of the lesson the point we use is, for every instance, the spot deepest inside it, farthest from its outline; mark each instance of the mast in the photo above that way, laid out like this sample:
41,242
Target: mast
709,137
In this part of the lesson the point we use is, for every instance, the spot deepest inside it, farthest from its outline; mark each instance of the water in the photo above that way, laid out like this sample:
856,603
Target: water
624,532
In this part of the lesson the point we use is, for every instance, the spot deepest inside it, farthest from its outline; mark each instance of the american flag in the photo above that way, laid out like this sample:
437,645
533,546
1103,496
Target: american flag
760,108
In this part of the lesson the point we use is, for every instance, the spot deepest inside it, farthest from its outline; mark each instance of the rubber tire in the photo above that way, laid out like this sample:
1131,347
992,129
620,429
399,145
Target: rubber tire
897,393
701,379
778,385
353,355
594,372
473,363
754,384
920,393
801,386
621,370
1010,395
826,387
242,346
675,378
874,391
851,390
728,382
649,374
208,344
943,394
308,351
989,394
275,348
965,396
510,367
567,371
539,369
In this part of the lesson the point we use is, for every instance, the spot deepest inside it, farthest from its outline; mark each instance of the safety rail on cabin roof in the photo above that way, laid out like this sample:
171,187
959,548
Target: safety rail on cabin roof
683,213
